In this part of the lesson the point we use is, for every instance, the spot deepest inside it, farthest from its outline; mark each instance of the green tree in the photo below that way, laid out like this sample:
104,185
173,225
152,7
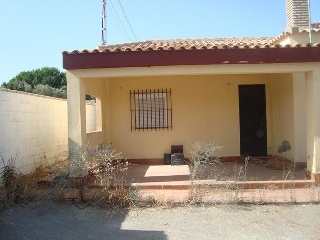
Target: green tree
46,81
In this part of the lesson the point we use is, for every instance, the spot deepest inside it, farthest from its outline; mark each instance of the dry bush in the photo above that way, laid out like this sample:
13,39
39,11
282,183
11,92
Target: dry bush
107,165
106,197
17,187
203,158
107,171
201,153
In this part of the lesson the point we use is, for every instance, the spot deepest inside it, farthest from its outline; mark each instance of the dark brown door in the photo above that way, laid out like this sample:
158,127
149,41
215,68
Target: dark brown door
253,127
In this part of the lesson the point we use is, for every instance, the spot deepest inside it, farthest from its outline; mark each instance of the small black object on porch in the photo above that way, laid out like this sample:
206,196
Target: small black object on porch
177,156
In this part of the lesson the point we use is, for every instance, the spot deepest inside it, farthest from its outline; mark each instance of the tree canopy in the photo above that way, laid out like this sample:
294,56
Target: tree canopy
46,81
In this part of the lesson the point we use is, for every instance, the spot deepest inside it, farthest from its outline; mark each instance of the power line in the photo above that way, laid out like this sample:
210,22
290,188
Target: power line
127,19
117,18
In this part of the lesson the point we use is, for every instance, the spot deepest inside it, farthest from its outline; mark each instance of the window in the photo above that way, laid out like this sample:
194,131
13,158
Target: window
93,114
151,109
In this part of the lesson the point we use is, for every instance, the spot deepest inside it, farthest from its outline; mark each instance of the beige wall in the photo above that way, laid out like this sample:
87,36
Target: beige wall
281,90
291,91
313,120
299,38
205,108
31,127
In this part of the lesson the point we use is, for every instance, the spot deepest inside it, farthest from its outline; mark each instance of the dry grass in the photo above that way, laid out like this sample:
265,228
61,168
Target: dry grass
17,187
280,163
231,191
107,169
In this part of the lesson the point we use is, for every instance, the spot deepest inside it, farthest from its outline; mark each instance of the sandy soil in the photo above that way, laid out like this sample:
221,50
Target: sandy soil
47,220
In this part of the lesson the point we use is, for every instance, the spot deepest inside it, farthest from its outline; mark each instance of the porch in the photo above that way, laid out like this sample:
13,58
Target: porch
167,184
181,177
206,106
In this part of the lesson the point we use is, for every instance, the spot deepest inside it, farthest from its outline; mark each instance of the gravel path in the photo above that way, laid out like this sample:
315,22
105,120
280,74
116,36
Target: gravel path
67,221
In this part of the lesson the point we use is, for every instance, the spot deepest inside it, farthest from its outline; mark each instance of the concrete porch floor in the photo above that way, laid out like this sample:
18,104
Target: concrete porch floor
228,182
256,184
178,176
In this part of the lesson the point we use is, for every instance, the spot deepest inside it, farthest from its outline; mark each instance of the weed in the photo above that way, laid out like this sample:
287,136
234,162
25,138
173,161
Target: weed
204,159
105,184
18,188
107,170
8,173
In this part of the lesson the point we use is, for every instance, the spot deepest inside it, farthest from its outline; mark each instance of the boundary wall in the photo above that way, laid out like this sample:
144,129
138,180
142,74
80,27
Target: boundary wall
33,129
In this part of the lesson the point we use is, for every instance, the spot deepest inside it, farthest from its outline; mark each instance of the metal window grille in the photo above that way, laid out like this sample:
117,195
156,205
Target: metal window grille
151,109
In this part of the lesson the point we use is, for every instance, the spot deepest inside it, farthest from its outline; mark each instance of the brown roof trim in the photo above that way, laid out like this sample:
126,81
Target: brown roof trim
271,54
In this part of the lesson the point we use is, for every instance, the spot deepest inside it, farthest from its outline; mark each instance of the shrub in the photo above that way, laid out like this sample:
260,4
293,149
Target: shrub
108,164
18,187
204,152
50,91
107,168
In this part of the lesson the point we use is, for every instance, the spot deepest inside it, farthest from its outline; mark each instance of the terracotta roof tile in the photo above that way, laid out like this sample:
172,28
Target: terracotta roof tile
179,44
197,44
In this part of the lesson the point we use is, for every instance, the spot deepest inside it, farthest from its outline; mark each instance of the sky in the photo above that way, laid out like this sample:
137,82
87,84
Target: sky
34,33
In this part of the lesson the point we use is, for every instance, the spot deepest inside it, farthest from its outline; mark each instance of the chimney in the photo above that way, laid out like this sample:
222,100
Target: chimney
297,15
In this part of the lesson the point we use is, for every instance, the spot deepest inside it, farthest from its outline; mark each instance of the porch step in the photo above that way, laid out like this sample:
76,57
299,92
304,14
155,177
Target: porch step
263,192
251,196
231,185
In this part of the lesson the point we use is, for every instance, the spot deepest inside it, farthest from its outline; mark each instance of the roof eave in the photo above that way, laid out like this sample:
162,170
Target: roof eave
90,60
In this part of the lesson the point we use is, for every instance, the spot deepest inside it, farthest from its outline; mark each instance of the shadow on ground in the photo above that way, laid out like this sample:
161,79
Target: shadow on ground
65,221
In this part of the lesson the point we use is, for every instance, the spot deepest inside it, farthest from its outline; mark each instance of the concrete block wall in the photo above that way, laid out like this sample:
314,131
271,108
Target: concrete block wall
33,128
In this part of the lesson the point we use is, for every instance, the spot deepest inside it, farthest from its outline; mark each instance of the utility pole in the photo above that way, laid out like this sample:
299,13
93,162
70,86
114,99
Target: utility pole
103,23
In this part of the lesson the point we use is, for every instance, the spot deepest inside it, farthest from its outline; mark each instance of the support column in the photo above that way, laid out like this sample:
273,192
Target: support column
76,125
313,123
299,111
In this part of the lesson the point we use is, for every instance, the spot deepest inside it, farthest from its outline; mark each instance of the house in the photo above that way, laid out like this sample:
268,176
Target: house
250,95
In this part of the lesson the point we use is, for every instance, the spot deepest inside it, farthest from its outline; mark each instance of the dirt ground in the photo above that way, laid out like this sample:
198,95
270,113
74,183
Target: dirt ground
47,220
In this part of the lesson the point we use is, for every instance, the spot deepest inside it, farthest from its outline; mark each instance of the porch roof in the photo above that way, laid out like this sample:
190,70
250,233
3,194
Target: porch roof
191,52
